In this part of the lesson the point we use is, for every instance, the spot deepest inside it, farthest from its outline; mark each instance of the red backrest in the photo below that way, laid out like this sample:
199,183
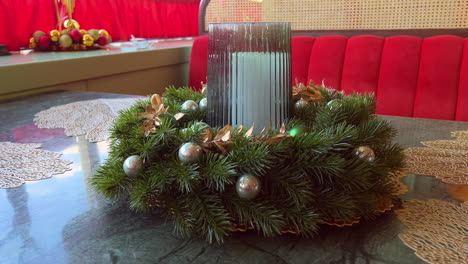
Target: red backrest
398,78
462,103
410,76
198,63
438,80
300,54
361,64
326,61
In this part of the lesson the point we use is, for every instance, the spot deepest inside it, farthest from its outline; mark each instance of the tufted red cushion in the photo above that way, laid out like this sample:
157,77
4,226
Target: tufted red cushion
300,54
398,75
326,61
361,64
438,80
462,103
410,76
198,62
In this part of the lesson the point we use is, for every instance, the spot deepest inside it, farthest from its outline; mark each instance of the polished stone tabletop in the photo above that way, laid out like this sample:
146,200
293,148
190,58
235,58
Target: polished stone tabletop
62,220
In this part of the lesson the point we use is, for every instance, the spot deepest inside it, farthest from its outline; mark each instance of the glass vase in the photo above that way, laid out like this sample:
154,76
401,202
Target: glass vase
249,74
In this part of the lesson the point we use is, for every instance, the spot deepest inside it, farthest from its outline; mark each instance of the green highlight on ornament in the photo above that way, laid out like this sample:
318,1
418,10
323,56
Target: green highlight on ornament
298,130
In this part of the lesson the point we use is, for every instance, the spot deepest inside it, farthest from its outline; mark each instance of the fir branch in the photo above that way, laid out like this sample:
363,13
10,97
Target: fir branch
218,172
263,215
324,169
210,215
142,195
303,221
342,135
375,131
186,176
330,94
178,96
177,209
290,184
390,155
253,158
161,176
332,205
357,175
149,147
127,121
354,109
110,179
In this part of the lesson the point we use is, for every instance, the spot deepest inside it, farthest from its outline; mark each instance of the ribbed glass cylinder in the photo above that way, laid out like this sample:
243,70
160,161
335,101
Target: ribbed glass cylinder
249,74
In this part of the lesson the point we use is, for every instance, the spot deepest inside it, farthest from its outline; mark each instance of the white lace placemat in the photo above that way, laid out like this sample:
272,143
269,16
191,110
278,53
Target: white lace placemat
438,230
92,118
25,162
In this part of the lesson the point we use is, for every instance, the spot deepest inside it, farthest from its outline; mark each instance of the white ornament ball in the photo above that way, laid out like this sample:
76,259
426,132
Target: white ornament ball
190,152
248,186
189,105
301,103
203,104
365,153
132,165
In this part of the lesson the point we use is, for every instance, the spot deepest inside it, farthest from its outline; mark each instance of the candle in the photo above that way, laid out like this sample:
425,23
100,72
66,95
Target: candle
249,74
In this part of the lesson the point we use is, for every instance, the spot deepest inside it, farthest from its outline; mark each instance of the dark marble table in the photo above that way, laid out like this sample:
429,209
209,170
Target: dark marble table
62,220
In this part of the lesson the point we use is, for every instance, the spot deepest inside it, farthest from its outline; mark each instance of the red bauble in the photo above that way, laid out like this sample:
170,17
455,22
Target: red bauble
102,40
44,42
76,35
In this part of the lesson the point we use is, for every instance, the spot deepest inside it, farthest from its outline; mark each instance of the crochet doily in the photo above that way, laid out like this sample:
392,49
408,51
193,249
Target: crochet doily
24,162
445,159
437,231
92,118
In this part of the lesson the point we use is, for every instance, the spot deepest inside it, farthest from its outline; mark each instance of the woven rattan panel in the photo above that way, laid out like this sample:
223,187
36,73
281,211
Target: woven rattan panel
343,14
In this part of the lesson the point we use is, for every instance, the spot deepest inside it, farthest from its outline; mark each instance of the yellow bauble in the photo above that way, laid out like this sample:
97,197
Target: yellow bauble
109,39
65,32
71,24
82,31
32,43
88,40
103,32
54,35
94,33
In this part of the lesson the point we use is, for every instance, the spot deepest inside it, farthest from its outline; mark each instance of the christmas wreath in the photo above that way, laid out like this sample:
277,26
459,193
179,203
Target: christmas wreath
333,162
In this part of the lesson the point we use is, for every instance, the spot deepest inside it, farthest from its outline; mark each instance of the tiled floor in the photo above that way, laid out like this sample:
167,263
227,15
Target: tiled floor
62,220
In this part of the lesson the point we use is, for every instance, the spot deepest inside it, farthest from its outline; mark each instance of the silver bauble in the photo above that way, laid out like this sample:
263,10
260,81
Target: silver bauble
365,153
334,104
189,105
190,152
132,165
203,104
301,103
248,186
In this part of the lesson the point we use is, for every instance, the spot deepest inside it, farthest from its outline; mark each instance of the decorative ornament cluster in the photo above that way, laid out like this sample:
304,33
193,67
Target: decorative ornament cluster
71,39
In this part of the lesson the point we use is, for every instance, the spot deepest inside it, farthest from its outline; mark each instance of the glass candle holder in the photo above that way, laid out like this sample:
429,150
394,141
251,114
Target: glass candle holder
249,74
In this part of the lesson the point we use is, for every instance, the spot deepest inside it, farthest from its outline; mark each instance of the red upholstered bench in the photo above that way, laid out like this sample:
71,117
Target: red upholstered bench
410,76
